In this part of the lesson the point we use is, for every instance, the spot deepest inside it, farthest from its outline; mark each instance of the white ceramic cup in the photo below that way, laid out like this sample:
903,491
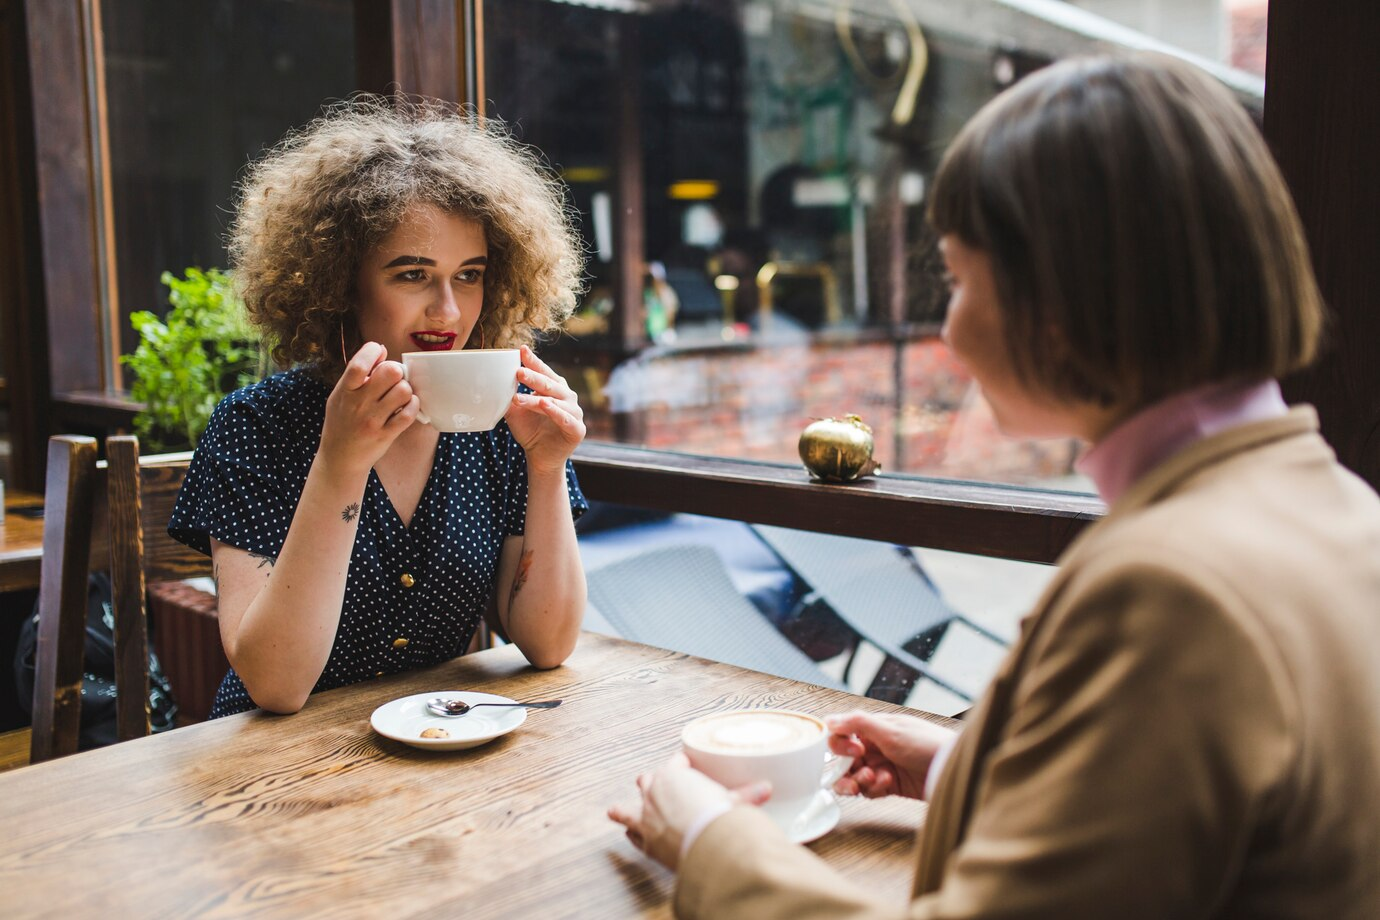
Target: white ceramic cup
788,749
467,390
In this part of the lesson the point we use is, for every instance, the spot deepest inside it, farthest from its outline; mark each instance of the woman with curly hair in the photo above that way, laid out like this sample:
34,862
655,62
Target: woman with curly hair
350,541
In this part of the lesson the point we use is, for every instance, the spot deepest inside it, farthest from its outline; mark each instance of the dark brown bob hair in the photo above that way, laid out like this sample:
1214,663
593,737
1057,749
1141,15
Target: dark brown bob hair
1142,238
312,208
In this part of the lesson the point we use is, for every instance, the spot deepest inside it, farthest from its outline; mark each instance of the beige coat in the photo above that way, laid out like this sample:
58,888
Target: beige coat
1188,725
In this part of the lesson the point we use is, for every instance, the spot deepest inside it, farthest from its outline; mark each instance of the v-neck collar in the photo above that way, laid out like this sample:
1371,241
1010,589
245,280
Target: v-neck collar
423,500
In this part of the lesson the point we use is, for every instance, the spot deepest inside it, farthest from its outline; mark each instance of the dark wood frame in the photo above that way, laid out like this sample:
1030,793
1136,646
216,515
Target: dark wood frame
421,46
412,46
1026,524
22,317
1324,129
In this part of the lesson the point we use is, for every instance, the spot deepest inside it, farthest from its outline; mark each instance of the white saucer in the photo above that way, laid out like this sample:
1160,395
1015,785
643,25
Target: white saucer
405,719
819,819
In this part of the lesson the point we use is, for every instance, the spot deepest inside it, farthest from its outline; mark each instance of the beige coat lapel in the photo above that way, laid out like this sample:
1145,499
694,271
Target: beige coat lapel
955,793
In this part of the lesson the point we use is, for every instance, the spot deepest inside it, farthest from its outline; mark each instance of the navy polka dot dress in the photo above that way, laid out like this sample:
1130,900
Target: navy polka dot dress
414,595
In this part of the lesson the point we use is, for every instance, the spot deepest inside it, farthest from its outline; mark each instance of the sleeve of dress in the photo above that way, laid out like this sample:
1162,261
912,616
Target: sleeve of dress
515,494
233,491
1153,728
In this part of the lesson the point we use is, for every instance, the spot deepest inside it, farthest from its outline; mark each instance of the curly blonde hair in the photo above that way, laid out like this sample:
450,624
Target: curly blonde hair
311,209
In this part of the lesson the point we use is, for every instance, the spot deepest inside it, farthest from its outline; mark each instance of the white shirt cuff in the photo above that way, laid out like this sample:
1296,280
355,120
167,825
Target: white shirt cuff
697,826
941,757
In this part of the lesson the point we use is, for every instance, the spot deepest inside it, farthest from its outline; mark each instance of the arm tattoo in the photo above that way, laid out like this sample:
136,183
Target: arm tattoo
520,577
215,576
350,513
264,560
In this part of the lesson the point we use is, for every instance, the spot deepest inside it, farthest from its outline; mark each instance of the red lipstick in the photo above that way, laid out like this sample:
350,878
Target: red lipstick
433,340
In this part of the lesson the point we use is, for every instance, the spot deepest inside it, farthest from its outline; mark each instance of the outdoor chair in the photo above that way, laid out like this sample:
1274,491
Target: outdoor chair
123,506
681,598
880,593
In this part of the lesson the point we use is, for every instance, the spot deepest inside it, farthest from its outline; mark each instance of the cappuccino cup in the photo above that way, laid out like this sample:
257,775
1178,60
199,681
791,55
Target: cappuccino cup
788,749
467,390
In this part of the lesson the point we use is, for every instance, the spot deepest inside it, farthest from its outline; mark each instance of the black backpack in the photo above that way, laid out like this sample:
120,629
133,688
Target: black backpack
98,718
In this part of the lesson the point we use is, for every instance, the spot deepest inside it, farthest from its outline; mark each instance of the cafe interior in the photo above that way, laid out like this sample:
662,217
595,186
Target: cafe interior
749,181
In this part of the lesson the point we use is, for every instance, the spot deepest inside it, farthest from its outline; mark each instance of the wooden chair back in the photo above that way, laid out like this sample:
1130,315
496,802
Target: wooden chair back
111,514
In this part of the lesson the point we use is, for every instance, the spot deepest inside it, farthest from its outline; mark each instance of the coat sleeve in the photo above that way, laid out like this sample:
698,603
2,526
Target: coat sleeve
1149,733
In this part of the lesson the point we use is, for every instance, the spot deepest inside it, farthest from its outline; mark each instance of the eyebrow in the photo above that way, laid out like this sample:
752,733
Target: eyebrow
423,260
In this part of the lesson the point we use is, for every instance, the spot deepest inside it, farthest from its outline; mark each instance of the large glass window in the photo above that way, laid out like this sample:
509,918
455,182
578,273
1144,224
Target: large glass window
771,263
193,92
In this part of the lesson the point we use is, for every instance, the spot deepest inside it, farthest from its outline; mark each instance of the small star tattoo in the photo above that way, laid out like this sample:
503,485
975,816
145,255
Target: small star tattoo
350,513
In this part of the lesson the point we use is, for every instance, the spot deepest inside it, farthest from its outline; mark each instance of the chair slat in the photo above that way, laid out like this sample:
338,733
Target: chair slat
127,588
67,520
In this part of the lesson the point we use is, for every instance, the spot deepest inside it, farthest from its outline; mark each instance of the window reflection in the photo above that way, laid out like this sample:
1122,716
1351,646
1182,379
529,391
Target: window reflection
775,265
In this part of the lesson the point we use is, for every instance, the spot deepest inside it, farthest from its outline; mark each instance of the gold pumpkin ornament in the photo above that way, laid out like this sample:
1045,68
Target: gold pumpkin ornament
838,449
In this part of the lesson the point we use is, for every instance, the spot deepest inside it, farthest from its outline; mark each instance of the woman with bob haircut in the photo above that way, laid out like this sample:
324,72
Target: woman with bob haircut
1189,722
349,541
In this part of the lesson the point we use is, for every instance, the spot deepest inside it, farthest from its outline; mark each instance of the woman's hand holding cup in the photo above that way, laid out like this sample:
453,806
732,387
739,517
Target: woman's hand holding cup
673,797
370,406
891,753
548,422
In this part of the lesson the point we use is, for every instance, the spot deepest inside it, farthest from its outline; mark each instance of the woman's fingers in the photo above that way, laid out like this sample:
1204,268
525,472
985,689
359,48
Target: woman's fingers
846,746
405,415
530,359
545,385
754,794
632,825
359,368
385,376
558,412
883,783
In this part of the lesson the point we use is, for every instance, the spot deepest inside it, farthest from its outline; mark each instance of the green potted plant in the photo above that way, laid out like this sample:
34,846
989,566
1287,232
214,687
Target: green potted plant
188,360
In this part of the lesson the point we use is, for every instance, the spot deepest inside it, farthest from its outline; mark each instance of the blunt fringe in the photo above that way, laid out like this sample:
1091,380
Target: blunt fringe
1141,235
311,208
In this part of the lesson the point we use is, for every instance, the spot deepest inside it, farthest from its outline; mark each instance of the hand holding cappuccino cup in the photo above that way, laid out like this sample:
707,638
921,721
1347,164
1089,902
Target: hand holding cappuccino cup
785,748
467,390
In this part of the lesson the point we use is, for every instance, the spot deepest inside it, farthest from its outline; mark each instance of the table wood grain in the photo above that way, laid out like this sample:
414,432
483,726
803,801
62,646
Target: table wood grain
316,815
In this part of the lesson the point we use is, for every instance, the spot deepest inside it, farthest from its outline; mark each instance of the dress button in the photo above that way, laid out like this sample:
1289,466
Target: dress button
407,580
378,673
399,642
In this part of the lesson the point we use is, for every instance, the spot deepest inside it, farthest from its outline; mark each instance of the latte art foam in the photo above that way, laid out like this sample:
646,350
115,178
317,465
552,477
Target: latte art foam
753,733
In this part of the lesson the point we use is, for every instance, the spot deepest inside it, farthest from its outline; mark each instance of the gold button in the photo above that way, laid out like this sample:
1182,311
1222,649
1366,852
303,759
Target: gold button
378,673
399,642
407,580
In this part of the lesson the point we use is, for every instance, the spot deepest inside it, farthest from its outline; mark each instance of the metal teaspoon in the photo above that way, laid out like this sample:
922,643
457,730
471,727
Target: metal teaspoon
452,708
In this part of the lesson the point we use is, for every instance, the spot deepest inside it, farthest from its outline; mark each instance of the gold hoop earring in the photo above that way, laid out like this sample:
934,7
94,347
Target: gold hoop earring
343,358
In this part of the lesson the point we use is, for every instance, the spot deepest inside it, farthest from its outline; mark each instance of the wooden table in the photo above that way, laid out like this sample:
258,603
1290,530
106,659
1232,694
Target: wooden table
315,815
21,542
